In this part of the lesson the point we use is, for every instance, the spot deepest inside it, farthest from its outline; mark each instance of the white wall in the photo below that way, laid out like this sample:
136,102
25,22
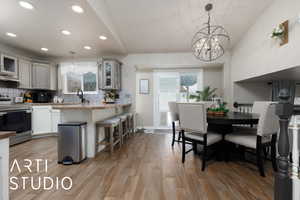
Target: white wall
248,92
144,103
257,54
214,77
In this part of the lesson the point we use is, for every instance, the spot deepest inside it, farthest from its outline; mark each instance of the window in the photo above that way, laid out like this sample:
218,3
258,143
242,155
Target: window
79,75
190,82
173,86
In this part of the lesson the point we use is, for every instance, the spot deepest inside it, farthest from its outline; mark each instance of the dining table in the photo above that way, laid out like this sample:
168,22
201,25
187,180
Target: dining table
224,124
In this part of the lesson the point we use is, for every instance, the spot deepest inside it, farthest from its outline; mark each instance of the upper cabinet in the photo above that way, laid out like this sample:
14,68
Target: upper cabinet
40,76
9,66
53,77
110,72
25,69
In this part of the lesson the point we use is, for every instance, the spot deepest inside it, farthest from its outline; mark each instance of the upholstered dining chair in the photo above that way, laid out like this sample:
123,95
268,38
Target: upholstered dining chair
266,135
173,110
193,123
258,108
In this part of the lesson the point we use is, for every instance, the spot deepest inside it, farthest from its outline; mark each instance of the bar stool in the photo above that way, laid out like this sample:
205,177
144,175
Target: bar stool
112,130
124,126
131,123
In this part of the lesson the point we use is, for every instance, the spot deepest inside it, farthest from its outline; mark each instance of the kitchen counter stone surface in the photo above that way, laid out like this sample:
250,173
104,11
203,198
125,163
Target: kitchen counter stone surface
88,106
6,134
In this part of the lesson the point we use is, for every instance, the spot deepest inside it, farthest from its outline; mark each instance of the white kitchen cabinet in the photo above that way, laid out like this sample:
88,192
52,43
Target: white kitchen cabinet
53,77
4,168
41,120
44,120
25,69
40,76
55,120
110,74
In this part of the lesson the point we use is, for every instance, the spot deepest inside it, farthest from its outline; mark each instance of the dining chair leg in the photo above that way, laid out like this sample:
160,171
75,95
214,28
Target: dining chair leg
183,148
265,150
259,158
273,152
227,151
179,136
204,152
174,132
195,147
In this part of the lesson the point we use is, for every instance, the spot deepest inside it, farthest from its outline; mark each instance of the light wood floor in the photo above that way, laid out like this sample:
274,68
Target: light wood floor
145,168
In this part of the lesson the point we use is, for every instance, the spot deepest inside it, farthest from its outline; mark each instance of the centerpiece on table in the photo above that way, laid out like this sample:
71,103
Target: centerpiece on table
218,109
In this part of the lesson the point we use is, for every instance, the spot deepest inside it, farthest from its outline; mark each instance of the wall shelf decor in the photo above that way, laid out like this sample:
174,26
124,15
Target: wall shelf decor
281,32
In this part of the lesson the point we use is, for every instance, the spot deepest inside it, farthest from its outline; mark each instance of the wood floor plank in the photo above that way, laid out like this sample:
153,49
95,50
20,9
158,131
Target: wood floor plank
145,168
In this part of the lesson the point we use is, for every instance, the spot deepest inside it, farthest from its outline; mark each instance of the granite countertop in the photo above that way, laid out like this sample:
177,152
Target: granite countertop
51,104
88,106
6,134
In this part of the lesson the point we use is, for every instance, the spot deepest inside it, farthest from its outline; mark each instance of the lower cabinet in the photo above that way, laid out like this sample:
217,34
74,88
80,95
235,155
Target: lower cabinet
44,120
55,120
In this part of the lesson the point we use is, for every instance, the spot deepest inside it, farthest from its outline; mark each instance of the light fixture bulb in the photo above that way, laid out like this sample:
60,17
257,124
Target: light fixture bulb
26,5
77,9
11,34
102,37
66,32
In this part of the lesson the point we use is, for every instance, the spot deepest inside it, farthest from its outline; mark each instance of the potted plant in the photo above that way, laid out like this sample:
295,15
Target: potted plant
206,94
278,32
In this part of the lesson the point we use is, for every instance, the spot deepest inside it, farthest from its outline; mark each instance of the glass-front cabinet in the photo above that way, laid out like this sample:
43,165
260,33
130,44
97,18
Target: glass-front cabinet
111,74
9,66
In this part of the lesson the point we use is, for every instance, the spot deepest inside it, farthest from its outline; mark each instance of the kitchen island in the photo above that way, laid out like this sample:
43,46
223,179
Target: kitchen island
90,113
4,163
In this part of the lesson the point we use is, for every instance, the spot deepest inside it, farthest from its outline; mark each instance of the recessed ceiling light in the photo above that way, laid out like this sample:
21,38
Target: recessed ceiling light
66,32
102,37
44,49
26,5
11,34
77,9
87,47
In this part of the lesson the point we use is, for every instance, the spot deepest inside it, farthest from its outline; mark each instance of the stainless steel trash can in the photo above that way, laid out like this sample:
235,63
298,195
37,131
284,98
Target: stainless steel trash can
71,142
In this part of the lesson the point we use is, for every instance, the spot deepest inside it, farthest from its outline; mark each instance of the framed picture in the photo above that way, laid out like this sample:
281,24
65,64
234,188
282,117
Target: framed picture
144,86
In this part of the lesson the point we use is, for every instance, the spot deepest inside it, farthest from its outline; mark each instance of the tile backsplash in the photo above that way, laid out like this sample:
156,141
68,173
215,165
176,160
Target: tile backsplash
11,92
92,98
69,98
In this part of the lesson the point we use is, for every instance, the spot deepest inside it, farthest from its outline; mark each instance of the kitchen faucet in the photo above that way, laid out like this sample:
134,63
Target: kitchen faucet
80,95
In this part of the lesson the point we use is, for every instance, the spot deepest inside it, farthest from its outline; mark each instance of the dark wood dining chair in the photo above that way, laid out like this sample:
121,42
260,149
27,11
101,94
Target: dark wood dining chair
266,136
193,123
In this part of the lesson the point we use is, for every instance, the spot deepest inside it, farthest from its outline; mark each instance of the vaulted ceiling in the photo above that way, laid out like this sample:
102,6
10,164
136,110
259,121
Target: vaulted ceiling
132,26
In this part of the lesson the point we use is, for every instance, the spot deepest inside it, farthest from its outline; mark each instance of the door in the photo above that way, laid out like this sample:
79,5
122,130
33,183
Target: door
55,120
173,86
9,65
166,88
25,74
53,77
41,120
108,74
40,76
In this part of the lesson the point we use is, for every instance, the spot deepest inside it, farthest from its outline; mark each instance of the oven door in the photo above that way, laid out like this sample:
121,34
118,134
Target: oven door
19,121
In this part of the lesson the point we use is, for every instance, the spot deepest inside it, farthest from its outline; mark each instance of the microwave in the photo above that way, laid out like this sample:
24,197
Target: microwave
9,66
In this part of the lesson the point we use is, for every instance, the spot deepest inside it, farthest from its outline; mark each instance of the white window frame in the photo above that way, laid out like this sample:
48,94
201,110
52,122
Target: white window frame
65,91
156,73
